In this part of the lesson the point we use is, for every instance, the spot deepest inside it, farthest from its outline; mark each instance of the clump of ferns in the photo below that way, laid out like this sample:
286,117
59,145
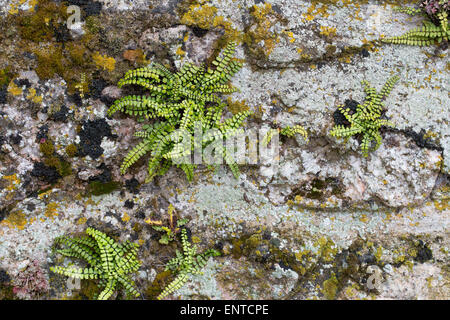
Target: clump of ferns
365,121
186,263
435,26
170,228
179,103
109,262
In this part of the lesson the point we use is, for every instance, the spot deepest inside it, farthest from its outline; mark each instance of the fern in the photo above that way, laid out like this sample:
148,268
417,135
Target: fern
109,262
366,119
287,131
435,27
179,101
185,264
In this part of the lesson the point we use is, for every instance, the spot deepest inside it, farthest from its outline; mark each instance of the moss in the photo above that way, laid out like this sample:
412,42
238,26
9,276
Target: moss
50,62
40,25
236,107
263,20
161,280
330,287
47,148
98,188
71,150
5,77
77,53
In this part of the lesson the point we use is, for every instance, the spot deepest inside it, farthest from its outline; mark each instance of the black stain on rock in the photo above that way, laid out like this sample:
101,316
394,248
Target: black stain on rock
199,32
4,277
105,176
45,173
96,88
129,204
42,133
132,185
91,136
339,118
3,94
423,252
88,7
15,138
60,115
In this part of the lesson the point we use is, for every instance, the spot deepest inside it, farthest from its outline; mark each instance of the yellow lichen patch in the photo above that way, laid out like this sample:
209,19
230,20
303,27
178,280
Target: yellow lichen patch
15,5
104,62
316,9
237,106
14,89
260,32
33,97
364,218
51,210
125,217
13,182
15,219
180,52
205,17
327,31
82,220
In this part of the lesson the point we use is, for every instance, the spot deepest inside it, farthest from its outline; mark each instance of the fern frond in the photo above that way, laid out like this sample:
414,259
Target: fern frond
366,119
185,264
109,261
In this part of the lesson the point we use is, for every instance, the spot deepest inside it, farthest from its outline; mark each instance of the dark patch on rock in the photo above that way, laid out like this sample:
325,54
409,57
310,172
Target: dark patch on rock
31,207
3,213
88,7
420,140
367,258
199,32
105,176
284,266
22,82
76,98
219,246
129,204
62,34
423,253
339,118
4,277
140,215
45,173
266,235
42,133
132,185
91,136
365,53
15,138
3,94
96,88
60,115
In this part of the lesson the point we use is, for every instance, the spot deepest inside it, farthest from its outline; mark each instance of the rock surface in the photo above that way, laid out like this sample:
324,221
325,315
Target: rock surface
324,222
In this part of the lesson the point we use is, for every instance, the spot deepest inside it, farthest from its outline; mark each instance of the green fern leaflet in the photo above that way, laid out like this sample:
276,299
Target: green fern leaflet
184,101
186,264
365,121
109,262
432,31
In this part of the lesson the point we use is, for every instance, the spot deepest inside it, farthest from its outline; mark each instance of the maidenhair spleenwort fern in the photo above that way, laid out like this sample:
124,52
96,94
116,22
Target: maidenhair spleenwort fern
366,120
435,27
286,131
184,101
185,264
110,263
